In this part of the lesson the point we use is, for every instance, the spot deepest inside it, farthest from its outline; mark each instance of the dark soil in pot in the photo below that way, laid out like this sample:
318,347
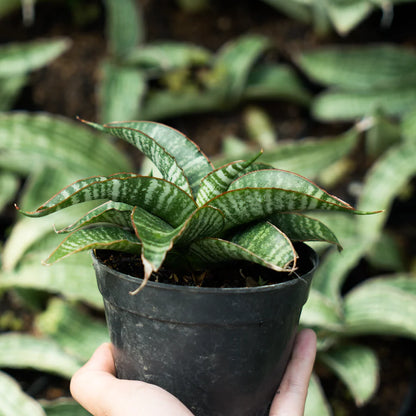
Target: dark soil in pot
221,351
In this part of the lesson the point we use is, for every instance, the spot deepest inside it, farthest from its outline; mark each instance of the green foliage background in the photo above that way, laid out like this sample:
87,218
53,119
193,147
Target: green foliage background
354,96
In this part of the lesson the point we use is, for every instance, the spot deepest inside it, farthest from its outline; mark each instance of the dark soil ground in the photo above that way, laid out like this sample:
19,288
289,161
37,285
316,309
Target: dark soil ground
67,87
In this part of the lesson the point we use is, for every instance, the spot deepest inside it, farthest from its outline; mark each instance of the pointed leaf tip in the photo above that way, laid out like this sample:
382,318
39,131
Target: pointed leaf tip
148,270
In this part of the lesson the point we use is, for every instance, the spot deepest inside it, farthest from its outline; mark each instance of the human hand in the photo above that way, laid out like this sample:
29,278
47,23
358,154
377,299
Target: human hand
97,389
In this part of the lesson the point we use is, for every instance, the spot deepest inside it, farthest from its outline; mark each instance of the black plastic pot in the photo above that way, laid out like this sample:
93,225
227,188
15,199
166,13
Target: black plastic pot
222,352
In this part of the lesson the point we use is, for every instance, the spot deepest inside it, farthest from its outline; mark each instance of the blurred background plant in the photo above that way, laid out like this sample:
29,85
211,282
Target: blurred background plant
326,88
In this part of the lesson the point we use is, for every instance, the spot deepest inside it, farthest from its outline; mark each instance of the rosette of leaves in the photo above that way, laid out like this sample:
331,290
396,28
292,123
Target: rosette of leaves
193,216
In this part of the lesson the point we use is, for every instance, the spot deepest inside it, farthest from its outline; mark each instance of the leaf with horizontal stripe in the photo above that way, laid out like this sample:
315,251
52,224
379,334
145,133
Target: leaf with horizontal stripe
156,195
163,160
194,163
219,180
261,243
299,227
111,212
104,237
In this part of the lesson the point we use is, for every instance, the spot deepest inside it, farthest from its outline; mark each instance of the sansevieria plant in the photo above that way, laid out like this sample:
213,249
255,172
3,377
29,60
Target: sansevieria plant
190,215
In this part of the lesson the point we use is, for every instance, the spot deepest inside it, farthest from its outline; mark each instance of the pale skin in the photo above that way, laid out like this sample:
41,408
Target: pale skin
97,389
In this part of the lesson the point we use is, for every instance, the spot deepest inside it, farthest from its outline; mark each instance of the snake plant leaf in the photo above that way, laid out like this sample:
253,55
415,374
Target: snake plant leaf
299,227
75,331
21,58
384,183
218,181
357,366
121,92
316,403
164,161
10,87
350,105
59,279
268,81
100,237
152,194
34,140
161,56
384,305
363,68
26,351
408,126
9,184
237,58
157,237
260,243
189,157
125,26
110,212
14,402
280,179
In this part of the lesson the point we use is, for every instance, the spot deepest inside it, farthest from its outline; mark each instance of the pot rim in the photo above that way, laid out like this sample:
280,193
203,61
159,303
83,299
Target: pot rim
313,256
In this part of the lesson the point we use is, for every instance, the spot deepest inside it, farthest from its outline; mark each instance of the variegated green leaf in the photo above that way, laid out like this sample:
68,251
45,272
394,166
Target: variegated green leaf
121,92
31,140
361,68
187,154
261,243
350,105
125,26
357,366
158,237
8,184
26,351
219,180
383,183
167,55
346,15
101,237
408,126
271,82
14,402
21,58
73,278
299,227
74,331
382,306
249,204
284,180
164,161
155,195
111,212
237,58
316,403
10,88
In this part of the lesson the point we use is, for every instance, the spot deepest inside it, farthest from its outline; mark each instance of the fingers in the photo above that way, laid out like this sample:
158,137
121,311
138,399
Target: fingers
291,396
97,389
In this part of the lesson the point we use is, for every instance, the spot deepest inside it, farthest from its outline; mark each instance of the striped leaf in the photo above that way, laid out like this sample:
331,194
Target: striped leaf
104,237
9,184
26,351
21,58
63,407
31,140
316,403
299,227
261,243
153,194
111,212
218,181
357,366
14,402
237,58
10,88
187,154
121,92
167,55
158,237
164,161
364,68
75,331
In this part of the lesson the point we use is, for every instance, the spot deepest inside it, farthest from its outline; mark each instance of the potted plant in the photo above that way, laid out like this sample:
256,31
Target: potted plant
203,271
